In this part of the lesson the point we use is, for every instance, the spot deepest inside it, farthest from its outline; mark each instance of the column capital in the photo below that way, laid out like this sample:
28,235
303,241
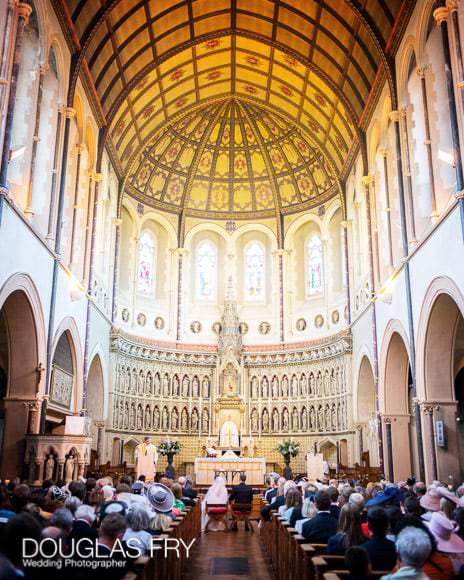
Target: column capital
24,11
382,151
346,224
44,68
368,179
179,251
97,177
117,221
279,252
421,70
70,112
394,116
459,194
428,409
440,14
452,5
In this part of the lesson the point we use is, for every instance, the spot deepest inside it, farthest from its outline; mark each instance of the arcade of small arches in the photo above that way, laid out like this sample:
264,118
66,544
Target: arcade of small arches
220,228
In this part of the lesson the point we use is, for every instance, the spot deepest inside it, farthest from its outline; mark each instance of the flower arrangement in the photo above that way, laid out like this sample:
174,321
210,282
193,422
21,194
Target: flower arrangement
288,448
169,447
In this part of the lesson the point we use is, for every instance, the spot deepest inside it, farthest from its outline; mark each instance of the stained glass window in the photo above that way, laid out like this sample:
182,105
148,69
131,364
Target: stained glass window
254,272
206,271
314,274
146,263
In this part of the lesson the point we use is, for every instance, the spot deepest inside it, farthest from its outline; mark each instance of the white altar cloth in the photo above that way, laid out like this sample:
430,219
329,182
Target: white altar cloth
206,469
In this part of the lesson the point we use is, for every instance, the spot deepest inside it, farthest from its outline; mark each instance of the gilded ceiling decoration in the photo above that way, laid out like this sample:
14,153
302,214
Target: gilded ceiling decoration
319,62
231,157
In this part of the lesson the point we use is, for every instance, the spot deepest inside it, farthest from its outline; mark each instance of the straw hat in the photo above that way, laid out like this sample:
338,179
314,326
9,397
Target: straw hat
444,532
160,497
431,500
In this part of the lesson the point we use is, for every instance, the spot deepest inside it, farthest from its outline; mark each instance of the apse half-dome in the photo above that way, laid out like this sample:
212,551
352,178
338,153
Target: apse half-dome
231,158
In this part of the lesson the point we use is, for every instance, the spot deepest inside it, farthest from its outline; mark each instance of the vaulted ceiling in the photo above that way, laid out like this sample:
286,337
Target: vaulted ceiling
317,63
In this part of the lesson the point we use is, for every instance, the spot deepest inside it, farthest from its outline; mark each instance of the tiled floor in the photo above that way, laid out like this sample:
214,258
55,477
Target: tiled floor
231,555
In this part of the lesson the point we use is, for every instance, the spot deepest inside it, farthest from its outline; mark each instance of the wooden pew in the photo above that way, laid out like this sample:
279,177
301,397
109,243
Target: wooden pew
326,565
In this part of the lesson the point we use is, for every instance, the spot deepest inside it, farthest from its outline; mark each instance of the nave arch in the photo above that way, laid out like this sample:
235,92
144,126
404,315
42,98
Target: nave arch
396,405
439,364
22,356
365,415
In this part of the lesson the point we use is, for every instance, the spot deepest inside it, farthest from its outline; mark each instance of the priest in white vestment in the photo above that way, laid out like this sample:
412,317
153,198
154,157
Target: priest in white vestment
146,457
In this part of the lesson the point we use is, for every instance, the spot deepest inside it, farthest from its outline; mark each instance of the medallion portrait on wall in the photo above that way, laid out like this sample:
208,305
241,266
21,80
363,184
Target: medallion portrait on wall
319,321
195,327
216,328
264,328
159,323
301,324
141,319
335,317
125,314
243,327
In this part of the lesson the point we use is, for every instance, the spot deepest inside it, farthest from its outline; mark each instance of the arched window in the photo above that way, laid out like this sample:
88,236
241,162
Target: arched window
314,270
206,271
254,272
146,263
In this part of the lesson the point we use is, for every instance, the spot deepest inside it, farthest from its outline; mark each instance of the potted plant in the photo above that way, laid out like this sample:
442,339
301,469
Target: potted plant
168,448
288,449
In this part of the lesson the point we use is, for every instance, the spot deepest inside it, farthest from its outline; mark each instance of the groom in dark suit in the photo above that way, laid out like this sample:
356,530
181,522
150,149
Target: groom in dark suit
241,494
323,525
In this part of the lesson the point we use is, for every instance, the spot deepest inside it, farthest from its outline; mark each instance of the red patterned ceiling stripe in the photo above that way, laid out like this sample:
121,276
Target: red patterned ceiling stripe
379,70
86,66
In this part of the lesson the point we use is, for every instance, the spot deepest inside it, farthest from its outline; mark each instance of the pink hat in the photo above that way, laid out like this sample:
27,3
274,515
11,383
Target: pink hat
431,500
445,492
444,532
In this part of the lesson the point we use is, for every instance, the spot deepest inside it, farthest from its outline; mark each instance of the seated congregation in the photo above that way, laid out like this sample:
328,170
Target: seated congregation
344,530
308,530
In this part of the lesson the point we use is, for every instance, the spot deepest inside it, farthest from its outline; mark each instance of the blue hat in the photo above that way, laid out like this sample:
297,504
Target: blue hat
391,494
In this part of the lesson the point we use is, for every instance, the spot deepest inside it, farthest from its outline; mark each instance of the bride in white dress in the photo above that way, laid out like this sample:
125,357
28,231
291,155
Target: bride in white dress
216,495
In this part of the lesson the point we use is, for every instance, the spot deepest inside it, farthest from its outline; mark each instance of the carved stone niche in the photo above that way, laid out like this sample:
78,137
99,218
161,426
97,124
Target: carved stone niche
70,455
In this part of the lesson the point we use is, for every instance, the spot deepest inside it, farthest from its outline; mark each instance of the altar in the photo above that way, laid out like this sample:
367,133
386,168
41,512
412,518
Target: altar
207,468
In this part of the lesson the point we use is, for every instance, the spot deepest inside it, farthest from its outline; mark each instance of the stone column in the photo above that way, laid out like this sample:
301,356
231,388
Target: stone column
383,153
441,17
39,470
117,241
280,295
400,120
395,118
80,149
180,290
347,225
29,211
23,12
55,172
389,445
421,71
60,468
98,178
325,274
429,435
5,61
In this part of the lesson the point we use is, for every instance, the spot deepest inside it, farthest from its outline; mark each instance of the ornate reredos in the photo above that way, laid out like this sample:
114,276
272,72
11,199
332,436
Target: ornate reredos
230,338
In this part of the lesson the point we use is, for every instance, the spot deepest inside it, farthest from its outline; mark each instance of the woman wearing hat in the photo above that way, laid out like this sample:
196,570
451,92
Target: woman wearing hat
430,502
162,502
448,542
